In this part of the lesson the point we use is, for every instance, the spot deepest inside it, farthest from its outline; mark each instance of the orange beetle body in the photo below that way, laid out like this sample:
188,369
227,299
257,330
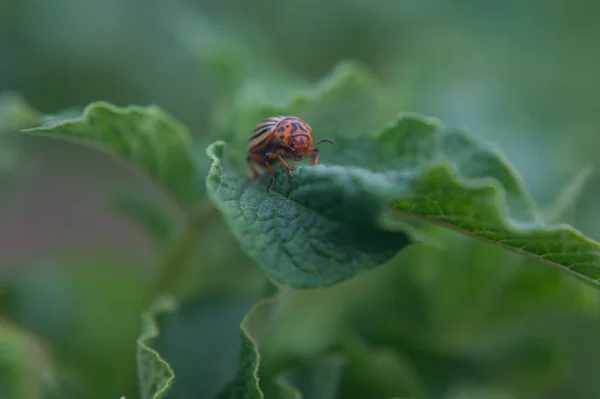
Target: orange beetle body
281,137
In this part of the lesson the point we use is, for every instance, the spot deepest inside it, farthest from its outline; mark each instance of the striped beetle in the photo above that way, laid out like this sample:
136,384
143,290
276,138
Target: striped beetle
280,137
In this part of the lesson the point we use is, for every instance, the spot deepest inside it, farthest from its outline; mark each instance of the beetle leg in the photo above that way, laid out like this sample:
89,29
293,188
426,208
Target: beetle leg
252,159
315,156
285,164
278,156
272,172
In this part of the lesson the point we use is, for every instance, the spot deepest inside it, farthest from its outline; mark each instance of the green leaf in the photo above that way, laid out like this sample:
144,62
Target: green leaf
155,375
146,136
563,208
245,383
333,221
26,367
317,230
316,380
379,372
66,302
16,113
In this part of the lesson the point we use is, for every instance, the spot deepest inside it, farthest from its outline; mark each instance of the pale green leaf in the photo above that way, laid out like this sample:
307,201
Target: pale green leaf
245,383
316,380
146,136
155,375
16,113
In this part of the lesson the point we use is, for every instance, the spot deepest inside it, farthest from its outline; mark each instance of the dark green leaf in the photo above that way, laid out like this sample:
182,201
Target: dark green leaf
326,224
316,230
245,383
146,136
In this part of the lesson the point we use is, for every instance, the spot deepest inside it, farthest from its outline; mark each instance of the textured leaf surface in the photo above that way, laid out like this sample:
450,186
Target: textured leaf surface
316,230
146,136
333,221
155,375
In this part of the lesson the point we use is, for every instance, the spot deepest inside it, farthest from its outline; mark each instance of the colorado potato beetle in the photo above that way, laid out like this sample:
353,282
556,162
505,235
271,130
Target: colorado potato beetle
280,137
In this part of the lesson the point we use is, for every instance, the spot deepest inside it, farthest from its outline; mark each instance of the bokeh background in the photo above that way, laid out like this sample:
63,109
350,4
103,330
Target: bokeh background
468,321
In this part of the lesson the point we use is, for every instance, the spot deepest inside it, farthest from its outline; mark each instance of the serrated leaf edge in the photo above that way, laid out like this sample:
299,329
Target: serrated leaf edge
165,304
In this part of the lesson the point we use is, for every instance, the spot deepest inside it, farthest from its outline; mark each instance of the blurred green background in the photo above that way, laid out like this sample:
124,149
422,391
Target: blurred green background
468,321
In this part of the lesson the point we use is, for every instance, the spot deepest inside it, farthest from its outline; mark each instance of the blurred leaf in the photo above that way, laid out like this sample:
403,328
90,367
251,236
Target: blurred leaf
245,383
345,103
155,375
471,391
27,370
227,59
75,305
563,208
147,136
15,113
155,219
379,372
315,380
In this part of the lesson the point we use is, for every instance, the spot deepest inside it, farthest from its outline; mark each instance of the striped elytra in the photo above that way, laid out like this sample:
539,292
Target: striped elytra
281,127
280,137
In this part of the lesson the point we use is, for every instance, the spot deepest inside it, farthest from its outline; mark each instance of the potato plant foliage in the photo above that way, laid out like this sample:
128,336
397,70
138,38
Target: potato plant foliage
412,261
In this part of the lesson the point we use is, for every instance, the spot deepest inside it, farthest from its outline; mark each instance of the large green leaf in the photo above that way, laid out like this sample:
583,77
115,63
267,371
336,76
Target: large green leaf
316,230
333,221
146,136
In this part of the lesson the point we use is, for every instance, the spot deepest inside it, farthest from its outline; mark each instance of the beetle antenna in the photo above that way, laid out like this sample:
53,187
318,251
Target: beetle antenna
324,140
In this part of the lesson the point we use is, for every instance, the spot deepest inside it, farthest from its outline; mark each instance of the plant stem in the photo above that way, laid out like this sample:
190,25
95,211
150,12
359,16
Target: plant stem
172,267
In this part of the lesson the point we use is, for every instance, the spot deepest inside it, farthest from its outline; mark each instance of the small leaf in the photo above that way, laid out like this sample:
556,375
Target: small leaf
563,208
146,136
155,375
15,113
245,383
317,230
